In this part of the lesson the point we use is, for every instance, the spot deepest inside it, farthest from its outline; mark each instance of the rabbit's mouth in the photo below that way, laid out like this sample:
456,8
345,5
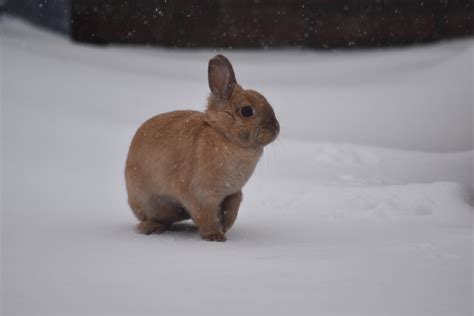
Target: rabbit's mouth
268,132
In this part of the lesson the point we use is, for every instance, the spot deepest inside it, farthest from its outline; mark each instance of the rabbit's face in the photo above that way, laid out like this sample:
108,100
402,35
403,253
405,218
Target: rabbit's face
245,116
254,122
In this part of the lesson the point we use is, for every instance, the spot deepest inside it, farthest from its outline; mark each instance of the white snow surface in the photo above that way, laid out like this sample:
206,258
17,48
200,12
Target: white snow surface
361,207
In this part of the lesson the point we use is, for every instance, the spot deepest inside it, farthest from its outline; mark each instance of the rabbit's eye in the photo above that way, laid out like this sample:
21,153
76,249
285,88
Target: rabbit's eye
246,111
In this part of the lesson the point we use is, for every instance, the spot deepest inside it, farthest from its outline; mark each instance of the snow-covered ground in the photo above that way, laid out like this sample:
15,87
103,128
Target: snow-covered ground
362,207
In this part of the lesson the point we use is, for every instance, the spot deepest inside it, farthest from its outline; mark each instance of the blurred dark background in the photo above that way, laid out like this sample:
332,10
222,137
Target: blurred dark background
52,14
251,23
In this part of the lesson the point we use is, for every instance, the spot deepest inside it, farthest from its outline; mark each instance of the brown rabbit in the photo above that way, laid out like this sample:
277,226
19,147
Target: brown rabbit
189,164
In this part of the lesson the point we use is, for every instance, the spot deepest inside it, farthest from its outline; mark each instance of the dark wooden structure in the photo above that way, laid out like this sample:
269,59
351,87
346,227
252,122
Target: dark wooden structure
264,23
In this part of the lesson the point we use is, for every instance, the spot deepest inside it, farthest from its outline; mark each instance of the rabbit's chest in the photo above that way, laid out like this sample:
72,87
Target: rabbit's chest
237,170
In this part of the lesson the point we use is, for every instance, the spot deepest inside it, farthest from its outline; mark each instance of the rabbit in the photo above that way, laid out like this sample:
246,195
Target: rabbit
190,164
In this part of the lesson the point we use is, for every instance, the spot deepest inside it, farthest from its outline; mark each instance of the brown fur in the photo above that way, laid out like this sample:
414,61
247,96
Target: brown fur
189,164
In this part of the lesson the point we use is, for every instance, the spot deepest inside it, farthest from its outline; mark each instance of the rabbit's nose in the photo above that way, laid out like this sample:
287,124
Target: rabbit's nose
273,124
277,126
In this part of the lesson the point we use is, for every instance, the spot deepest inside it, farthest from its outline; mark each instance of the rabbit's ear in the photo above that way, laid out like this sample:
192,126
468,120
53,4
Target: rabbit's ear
221,77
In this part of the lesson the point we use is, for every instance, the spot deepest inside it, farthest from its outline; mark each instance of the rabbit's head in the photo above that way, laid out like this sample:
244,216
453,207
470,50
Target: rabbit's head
244,116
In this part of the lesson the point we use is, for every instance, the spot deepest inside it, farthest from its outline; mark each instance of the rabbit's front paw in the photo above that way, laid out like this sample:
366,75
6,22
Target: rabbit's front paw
216,236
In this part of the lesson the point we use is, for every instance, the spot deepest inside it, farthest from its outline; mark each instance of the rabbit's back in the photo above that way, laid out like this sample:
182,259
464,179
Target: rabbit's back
161,151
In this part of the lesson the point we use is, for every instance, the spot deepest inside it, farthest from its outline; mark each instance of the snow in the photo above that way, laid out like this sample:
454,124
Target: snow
361,207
